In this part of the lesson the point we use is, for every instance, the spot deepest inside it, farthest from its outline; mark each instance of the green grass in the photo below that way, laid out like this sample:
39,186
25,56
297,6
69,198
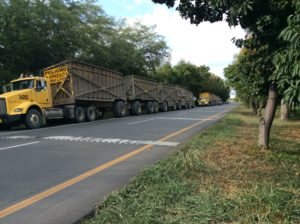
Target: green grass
220,176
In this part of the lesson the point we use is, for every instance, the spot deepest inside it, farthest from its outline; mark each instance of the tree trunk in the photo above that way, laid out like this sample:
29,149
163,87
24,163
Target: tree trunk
261,106
284,109
267,120
254,107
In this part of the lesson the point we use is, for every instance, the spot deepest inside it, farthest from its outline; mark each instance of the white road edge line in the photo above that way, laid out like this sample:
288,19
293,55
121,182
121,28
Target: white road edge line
16,146
138,122
184,118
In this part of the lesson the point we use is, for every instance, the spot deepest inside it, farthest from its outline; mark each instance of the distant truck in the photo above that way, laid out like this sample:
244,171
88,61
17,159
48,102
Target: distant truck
82,92
208,99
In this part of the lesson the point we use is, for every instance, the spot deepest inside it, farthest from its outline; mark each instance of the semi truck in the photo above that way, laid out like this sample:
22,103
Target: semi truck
208,99
82,92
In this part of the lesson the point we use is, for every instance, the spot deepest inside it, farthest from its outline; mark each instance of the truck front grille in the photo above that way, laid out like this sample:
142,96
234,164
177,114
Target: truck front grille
2,107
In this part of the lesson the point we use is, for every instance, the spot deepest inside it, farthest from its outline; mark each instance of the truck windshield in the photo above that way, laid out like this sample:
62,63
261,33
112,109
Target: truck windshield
24,84
6,88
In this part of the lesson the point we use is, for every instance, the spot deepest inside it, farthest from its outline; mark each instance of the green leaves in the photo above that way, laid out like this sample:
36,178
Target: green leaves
287,59
195,78
36,34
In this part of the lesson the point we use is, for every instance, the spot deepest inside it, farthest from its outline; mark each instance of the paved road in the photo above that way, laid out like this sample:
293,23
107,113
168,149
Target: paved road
58,174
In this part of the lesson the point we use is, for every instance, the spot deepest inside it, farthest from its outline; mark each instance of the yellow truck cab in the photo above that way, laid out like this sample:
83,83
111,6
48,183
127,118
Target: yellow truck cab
205,99
209,99
25,101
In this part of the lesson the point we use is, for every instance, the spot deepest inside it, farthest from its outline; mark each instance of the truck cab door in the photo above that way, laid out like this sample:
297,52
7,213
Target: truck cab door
42,93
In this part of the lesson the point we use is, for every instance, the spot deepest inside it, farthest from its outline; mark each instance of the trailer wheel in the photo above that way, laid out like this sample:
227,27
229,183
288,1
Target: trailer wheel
91,113
178,106
119,109
149,107
155,106
164,107
79,114
33,119
188,106
136,108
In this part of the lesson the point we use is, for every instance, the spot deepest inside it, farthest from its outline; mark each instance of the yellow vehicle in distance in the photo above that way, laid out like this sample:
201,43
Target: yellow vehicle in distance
208,99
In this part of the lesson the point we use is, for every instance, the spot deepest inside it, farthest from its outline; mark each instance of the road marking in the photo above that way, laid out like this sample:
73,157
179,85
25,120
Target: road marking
171,118
96,140
16,146
40,196
138,122
184,118
110,140
16,137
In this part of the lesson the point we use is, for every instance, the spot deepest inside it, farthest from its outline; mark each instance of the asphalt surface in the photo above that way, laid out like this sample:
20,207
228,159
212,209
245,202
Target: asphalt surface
58,174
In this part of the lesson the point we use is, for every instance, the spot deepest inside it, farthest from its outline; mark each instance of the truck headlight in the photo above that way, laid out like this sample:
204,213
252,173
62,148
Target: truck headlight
17,110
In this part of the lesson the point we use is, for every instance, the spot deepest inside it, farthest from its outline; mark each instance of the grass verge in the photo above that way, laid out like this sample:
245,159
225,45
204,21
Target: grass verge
219,176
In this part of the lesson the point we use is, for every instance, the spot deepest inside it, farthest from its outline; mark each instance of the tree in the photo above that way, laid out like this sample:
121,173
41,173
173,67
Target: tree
287,59
245,76
195,78
263,20
35,34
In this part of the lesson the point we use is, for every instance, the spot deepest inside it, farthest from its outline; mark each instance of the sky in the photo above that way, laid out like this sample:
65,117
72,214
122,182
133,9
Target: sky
206,44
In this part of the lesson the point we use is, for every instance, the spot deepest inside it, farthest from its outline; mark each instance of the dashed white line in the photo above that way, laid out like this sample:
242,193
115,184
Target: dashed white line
138,122
16,146
184,118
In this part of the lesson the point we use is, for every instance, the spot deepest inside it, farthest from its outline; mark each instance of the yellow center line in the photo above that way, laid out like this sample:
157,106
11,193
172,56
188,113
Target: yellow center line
40,196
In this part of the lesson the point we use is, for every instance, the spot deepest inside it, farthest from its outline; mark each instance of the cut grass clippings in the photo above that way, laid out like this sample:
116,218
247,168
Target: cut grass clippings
220,176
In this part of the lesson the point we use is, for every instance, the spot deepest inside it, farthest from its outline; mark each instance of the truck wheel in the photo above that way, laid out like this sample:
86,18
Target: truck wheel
178,106
119,109
155,106
79,114
33,119
149,107
136,108
164,107
91,113
188,106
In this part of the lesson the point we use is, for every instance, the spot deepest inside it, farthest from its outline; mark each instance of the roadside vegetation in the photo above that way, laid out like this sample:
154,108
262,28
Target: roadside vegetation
268,66
218,176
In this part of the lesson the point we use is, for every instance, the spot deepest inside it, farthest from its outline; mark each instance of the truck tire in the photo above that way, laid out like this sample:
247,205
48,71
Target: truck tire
149,107
119,109
155,106
164,107
91,113
178,106
79,114
136,108
33,119
188,106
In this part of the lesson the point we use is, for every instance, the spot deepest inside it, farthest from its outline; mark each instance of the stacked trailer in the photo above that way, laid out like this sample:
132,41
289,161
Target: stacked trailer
168,97
142,93
82,91
190,98
185,99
